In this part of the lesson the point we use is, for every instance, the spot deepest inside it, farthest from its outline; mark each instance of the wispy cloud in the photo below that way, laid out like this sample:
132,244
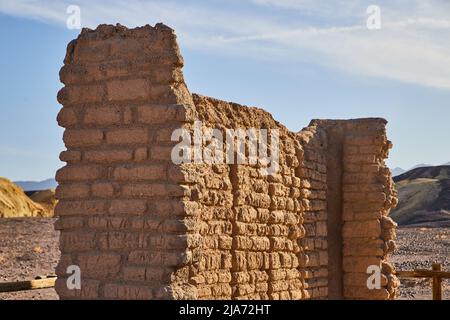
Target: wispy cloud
50,11
411,47
328,9
408,51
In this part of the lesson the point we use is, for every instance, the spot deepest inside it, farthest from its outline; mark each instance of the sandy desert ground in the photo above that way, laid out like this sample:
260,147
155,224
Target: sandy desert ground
29,247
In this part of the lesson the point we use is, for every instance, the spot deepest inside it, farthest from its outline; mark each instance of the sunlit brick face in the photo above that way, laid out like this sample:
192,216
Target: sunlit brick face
140,226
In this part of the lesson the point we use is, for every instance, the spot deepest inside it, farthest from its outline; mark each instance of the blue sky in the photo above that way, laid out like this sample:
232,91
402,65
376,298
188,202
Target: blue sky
298,59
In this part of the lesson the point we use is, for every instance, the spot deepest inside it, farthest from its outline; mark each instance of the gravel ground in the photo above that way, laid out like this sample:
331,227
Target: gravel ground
29,248
419,248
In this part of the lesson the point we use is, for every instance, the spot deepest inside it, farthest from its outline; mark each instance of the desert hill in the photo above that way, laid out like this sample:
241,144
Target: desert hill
46,198
15,203
424,197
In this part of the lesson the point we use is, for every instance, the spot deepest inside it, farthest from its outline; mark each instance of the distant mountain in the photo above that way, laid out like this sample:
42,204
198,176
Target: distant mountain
37,185
437,172
421,165
424,197
397,171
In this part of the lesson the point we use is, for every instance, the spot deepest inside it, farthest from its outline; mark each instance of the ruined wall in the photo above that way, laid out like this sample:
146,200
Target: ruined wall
119,211
140,226
263,221
368,195
359,195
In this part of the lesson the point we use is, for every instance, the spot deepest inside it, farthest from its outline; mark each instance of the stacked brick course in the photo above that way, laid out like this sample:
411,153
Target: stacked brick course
140,226
368,194
313,173
360,194
265,211
121,219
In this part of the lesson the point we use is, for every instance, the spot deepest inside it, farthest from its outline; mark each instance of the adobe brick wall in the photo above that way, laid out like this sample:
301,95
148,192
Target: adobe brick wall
141,227
263,221
359,195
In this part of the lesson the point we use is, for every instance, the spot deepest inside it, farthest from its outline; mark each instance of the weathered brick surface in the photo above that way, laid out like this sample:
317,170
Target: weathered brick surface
369,194
142,227
119,95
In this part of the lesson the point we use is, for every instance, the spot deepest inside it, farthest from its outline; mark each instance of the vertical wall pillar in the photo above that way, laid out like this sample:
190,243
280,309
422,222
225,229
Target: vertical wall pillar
120,211
359,196
368,195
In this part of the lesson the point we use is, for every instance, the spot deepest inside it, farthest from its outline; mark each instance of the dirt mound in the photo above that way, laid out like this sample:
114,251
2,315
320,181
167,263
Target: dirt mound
46,198
15,203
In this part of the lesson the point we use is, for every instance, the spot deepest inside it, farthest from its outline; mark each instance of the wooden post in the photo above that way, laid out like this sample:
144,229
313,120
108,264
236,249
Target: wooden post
437,282
436,275
41,283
